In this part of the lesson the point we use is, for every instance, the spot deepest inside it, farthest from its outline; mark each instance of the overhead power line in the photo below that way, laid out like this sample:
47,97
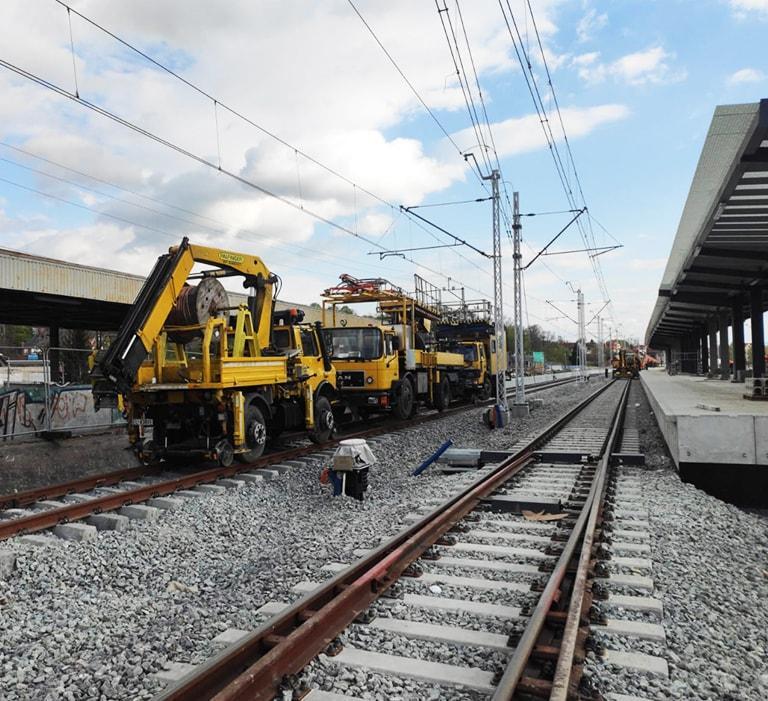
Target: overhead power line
219,105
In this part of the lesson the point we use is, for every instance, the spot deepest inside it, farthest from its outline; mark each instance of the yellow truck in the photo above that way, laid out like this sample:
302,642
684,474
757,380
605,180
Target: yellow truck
393,364
466,328
200,377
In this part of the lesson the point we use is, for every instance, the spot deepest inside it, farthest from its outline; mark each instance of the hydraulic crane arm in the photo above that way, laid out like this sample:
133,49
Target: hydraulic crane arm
115,368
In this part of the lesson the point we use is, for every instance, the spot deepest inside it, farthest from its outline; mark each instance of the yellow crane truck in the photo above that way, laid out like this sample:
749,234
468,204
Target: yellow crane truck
466,328
209,378
394,365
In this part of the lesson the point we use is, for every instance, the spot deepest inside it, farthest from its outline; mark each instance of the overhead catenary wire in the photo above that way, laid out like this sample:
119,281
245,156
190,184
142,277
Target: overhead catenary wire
218,104
254,236
562,171
63,92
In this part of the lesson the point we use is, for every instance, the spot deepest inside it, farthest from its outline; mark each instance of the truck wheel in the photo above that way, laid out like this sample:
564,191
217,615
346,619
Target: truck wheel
255,434
405,403
324,421
487,389
442,392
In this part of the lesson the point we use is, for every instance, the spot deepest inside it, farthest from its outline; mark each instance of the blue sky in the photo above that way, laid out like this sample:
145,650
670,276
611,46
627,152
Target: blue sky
637,81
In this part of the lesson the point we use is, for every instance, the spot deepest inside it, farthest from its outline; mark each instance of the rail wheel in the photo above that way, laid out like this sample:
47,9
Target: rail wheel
255,434
405,400
442,393
487,389
324,421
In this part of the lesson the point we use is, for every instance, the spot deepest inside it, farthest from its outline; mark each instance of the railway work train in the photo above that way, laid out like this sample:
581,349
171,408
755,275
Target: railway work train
200,377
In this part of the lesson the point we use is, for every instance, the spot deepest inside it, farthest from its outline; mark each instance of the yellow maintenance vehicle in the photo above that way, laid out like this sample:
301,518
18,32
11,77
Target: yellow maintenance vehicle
467,328
626,364
200,377
395,364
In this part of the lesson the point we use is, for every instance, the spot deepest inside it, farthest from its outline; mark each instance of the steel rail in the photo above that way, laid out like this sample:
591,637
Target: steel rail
561,683
254,667
516,666
29,497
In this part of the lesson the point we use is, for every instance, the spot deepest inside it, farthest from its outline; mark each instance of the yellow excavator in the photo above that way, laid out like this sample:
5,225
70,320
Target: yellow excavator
201,377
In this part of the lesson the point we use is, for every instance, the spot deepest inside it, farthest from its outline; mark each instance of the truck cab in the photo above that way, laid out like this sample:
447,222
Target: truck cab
367,365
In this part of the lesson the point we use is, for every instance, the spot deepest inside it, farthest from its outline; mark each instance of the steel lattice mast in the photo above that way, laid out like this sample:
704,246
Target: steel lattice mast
498,306
518,290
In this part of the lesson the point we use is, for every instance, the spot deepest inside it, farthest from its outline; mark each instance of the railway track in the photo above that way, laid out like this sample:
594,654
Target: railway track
40,509
454,564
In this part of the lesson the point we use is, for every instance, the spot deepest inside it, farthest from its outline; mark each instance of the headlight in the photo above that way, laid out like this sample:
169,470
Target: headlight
369,379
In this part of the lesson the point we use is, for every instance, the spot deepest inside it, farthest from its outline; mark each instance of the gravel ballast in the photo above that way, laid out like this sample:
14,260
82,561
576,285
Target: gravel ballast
710,569
95,620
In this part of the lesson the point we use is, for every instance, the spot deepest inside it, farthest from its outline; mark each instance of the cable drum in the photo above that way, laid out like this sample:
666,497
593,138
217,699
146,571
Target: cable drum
194,306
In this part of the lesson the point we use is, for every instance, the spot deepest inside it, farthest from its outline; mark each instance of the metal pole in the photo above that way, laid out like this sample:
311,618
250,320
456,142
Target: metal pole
582,336
600,357
518,290
498,308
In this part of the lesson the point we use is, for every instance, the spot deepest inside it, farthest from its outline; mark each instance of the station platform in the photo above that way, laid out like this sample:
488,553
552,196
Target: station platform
718,439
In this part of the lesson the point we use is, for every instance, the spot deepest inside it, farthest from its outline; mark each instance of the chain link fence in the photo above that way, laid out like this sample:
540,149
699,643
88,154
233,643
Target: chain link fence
49,392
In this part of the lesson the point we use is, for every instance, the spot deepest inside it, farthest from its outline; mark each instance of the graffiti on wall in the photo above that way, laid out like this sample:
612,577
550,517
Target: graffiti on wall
23,410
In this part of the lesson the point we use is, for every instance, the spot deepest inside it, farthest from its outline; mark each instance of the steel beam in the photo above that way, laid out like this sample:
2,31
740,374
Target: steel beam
758,332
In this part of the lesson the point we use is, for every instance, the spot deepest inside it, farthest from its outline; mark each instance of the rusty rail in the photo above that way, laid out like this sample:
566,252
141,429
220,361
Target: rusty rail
525,647
254,667
52,517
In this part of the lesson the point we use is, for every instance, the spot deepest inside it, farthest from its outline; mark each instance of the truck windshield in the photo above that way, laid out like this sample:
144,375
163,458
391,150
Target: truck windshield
353,343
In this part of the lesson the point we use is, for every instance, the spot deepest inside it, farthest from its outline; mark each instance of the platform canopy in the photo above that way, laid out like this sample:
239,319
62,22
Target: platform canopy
39,291
720,252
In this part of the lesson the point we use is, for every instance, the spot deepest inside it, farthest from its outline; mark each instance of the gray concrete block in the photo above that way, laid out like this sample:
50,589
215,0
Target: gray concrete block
637,661
209,489
109,522
431,672
271,608
49,504
444,634
628,580
188,494
14,513
107,491
230,635
269,474
636,603
139,512
497,565
477,608
250,478
288,464
165,503
231,483
7,563
174,671
625,547
36,540
501,550
75,531
77,498
482,584
639,563
131,485
632,629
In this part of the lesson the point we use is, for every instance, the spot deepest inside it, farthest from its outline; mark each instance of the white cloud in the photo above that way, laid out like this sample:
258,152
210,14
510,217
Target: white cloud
589,24
523,134
742,7
746,75
651,66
